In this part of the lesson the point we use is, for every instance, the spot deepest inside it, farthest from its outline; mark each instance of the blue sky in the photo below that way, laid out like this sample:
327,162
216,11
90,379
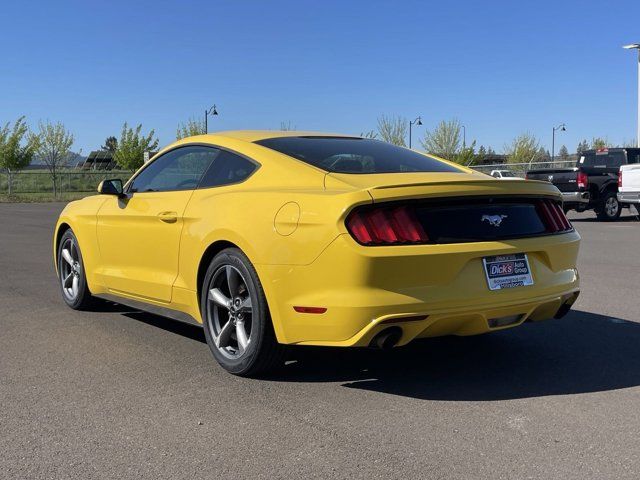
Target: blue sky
501,68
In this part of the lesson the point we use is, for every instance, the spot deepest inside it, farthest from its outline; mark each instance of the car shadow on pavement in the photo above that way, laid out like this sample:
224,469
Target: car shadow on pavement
179,328
174,326
584,352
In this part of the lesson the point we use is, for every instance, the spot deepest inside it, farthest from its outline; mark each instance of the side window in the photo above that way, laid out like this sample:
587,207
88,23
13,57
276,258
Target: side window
179,169
227,168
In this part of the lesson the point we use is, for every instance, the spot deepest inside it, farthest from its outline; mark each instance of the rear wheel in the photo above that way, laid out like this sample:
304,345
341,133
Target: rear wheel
236,318
71,273
610,208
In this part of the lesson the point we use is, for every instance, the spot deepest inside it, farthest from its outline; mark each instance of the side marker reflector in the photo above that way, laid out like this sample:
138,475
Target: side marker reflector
310,309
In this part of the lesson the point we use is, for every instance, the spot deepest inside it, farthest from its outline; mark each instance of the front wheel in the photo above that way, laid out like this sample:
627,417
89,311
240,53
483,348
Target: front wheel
236,318
610,208
71,273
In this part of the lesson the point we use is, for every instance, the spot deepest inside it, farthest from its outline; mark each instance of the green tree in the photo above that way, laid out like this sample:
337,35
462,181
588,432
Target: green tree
523,149
563,153
370,134
481,155
445,140
466,155
190,128
543,155
393,130
54,147
583,146
17,148
110,144
132,145
599,142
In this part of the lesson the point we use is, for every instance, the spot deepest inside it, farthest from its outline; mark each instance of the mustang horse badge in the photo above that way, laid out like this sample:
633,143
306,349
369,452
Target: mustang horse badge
494,220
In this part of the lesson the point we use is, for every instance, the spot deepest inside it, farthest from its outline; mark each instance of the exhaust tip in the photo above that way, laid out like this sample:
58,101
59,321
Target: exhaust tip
566,305
387,338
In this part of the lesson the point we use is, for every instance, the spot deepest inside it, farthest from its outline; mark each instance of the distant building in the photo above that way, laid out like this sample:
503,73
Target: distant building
491,159
99,160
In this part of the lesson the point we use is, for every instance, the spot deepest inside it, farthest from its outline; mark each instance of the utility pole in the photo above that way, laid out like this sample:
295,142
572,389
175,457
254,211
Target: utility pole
636,46
207,112
563,128
417,121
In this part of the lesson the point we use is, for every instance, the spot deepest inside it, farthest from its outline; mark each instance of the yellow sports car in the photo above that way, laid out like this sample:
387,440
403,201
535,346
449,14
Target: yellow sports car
268,238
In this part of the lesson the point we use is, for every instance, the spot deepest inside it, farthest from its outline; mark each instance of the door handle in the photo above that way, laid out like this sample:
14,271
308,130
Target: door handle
168,217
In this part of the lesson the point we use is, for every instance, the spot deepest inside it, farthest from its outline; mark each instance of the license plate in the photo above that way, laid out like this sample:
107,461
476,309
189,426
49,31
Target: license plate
507,271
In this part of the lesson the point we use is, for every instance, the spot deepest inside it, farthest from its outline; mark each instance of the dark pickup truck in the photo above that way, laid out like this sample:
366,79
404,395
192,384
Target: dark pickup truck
593,182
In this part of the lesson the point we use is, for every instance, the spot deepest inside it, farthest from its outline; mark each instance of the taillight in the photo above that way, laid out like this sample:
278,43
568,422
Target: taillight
619,178
583,180
386,226
553,216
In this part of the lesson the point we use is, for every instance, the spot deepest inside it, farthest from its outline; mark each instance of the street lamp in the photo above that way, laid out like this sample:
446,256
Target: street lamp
636,46
417,121
562,127
210,111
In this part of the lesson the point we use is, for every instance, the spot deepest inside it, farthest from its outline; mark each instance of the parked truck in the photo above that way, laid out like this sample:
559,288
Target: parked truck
593,183
629,185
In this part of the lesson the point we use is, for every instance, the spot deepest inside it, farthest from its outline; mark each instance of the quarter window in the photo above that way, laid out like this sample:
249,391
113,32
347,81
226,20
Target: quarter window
179,169
227,168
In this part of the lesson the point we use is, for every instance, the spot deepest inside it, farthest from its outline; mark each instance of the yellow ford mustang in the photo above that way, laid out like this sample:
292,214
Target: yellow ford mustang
269,238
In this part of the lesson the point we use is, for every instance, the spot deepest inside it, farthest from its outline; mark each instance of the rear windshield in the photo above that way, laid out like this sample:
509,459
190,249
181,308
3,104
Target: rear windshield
604,159
355,155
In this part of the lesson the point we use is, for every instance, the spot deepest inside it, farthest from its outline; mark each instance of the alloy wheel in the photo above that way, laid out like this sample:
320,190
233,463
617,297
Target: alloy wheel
229,312
70,269
611,206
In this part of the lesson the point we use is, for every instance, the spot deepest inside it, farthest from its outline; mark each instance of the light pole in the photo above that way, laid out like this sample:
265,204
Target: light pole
417,121
207,112
636,46
562,127
464,137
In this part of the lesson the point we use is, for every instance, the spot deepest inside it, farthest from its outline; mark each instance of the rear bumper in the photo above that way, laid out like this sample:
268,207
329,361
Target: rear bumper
472,320
629,197
575,197
442,288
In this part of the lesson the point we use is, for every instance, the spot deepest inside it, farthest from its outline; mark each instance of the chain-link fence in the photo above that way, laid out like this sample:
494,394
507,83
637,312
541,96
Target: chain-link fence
520,169
69,181
76,181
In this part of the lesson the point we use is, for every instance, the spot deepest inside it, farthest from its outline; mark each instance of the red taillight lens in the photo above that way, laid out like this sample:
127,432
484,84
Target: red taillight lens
619,178
386,226
553,216
583,180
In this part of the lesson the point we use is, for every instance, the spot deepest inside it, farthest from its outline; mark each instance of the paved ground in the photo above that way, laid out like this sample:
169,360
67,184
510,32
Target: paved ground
121,394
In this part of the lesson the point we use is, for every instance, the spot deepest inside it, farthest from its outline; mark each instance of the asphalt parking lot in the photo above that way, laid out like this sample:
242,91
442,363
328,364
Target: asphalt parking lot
122,394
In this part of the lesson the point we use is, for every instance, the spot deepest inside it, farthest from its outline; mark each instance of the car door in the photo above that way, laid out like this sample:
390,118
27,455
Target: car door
139,233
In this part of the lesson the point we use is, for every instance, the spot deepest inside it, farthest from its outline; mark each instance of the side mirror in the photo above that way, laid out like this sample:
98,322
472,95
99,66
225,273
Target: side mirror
111,187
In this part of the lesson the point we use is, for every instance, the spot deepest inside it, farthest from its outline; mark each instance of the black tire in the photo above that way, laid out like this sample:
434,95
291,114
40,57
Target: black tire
261,353
75,292
609,209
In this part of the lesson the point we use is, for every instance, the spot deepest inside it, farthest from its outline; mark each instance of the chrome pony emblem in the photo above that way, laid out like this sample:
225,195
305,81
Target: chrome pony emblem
550,178
494,220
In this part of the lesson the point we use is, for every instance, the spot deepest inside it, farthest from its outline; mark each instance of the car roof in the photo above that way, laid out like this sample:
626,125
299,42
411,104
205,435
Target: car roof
256,135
